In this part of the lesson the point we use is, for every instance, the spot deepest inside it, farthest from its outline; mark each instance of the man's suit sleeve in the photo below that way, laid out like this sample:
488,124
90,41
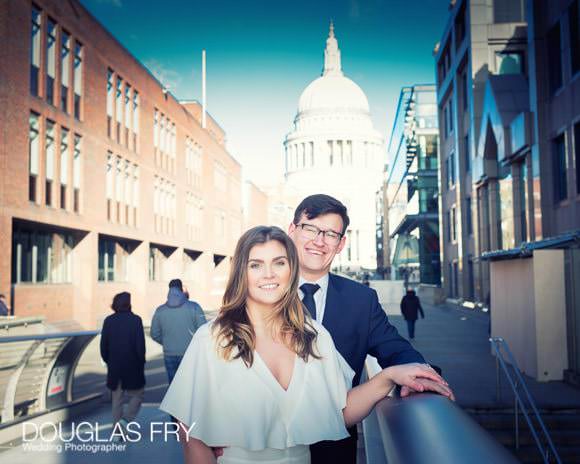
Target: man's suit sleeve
385,343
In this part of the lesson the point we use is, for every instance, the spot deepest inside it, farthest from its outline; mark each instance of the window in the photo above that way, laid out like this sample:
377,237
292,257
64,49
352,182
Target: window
78,79
577,154
50,60
554,58
560,167
448,226
113,259
158,256
465,87
509,11
135,118
119,187
64,159
450,164
468,220
49,162
33,155
110,99
109,183
135,193
119,107
65,57
448,116
574,26
460,27
453,217
509,63
467,154
41,256
128,117
522,189
77,174
35,49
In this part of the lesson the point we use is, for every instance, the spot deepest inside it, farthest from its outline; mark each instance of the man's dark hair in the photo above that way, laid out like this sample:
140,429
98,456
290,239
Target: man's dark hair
319,204
121,302
176,283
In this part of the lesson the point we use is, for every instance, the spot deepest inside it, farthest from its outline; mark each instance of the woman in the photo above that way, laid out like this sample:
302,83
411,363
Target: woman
264,380
123,350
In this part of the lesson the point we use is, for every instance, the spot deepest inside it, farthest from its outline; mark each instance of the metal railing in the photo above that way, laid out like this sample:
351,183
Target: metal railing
37,371
516,381
426,428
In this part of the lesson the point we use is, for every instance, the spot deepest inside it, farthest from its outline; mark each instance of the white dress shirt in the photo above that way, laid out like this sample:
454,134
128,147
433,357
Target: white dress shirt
319,296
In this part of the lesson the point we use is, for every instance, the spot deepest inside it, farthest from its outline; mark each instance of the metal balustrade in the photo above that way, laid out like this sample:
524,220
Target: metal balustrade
523,401
37,371
426,428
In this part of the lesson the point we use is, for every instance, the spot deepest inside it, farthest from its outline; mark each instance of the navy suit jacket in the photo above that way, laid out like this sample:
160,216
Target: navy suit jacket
359,326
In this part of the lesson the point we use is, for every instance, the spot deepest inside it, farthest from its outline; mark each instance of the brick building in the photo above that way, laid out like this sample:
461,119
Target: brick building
107,181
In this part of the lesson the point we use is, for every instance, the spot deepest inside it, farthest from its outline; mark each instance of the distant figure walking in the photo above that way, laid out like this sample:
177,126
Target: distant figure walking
123,350
174,324
4,310
410,305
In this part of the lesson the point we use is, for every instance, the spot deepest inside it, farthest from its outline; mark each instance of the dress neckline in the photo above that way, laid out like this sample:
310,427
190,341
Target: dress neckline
272,377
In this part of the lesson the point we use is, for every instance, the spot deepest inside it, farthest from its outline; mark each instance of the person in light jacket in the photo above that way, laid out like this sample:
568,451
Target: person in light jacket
173,325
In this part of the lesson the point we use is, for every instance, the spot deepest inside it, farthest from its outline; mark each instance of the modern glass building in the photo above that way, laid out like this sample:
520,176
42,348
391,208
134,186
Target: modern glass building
411,224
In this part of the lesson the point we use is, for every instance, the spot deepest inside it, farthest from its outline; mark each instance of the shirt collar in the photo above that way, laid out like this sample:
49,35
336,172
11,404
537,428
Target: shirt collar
322,282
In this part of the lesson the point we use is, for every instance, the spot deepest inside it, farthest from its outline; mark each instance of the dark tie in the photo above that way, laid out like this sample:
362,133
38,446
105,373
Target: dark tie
309,290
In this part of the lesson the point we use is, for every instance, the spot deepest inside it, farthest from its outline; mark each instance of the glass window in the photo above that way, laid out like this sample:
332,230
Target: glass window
468,220
113,259
554,58
41,256
128,117
574,25
577,154
34,153
509,63
51,31
78,79
110,100
509,11
35,49
524,197
49,162
505,206
64,160
65,57
77,165
559,168
157,258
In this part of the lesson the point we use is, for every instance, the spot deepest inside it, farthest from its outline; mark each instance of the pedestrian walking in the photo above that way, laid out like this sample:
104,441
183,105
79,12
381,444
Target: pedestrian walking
123,350
174,324
4,310
410,306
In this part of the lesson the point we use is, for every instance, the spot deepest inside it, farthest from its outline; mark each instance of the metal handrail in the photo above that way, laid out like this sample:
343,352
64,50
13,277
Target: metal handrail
44,365
426,428
496,343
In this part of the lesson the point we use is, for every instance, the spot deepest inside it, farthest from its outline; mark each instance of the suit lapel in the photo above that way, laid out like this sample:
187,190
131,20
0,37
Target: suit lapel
332,307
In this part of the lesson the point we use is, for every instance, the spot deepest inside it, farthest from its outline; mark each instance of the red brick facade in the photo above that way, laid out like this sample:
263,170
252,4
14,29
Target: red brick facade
82,296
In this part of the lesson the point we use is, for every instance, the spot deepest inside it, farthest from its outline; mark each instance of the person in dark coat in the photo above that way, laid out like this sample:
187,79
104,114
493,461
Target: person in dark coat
123,350
410,305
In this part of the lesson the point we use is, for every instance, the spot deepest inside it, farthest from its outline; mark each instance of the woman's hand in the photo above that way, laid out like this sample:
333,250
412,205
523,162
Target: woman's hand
418,377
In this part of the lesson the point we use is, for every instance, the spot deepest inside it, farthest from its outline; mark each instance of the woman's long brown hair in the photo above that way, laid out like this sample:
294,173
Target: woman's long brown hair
289,319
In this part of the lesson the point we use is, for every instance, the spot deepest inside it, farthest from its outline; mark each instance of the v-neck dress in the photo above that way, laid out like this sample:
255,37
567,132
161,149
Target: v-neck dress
246,410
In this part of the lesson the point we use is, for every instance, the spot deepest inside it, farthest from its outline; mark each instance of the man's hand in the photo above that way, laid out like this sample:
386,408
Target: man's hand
429,385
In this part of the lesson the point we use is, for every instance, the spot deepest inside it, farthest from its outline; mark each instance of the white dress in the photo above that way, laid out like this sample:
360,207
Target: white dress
247,411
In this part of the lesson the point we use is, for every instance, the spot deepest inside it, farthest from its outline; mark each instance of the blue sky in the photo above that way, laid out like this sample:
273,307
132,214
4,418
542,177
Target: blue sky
262,54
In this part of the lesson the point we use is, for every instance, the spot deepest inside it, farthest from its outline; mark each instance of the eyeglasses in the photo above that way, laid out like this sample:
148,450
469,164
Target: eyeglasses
310,232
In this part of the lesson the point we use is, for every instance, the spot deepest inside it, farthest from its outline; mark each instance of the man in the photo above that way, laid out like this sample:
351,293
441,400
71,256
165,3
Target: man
173,325
410,305
350,311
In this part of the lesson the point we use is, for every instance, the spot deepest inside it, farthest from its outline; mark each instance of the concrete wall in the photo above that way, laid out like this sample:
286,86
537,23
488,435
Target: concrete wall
512,309
550,295
528,310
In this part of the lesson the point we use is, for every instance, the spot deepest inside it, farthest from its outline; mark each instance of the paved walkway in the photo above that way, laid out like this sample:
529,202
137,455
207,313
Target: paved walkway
457,341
